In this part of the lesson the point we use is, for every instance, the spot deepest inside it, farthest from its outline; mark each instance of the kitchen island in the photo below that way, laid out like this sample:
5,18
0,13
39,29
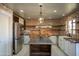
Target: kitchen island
40,47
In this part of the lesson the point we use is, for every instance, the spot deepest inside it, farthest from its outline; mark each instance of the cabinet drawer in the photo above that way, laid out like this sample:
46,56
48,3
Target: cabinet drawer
34,48
40,50
44,46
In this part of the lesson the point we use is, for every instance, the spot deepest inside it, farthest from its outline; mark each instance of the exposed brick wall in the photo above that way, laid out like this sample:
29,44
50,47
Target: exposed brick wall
30,25
46,22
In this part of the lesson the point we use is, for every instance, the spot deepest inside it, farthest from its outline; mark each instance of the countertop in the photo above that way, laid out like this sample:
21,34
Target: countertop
41,41
73,40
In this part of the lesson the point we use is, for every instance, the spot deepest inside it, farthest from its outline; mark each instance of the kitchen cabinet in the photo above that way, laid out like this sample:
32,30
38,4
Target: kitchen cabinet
40,50
69,48
21,21
66,46
26,39
61,42
53,39
77,49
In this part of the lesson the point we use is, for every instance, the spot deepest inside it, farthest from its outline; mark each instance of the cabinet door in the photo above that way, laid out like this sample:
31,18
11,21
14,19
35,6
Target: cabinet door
45,48
53,39
71,49
40,50
34,48
66,48
63,44
26,39
77,49
60,42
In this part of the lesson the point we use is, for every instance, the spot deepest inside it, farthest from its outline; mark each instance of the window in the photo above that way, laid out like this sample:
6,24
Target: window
72,26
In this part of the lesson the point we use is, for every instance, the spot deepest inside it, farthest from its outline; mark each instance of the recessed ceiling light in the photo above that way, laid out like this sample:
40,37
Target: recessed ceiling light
63,14
29,17
55,11
49,17
21,11
40,4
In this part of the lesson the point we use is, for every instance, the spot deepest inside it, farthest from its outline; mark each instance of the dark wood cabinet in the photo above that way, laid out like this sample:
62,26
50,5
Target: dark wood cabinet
40,50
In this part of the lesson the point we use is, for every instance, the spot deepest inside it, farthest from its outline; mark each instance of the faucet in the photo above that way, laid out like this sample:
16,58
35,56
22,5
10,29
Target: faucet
68,34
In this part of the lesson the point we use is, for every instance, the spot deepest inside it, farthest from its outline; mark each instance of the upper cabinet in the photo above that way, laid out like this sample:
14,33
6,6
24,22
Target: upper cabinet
15,18
18,19
21,21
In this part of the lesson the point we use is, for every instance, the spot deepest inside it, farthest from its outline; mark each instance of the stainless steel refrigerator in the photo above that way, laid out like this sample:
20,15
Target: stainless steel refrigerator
17,37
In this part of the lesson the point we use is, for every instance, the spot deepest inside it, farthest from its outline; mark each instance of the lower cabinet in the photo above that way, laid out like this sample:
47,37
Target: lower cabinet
61,42
69,48
73,49
77,49
26,39
40,50
53,39
66,47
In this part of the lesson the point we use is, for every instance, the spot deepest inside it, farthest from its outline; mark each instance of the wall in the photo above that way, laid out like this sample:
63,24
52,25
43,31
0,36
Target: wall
74,15
6,36
32,22
57,28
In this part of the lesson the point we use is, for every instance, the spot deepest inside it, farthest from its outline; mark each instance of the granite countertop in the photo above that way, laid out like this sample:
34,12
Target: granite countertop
41,41
73,40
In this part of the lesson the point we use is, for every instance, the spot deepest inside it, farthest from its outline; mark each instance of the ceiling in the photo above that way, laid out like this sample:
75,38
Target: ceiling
32,10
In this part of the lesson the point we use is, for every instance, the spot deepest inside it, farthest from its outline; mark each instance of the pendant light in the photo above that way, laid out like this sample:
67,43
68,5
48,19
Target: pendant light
41,19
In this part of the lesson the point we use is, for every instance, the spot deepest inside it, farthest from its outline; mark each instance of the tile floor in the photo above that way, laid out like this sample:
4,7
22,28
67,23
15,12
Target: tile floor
55,51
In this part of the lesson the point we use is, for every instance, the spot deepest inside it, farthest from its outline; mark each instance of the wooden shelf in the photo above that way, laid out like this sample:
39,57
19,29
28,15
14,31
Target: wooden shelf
58,25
